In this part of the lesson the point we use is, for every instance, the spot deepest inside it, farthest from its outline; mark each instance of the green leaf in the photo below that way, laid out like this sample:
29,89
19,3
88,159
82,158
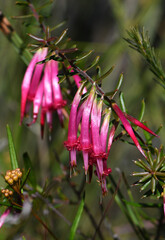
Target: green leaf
77,219
145,185
142,111
144,205
83,56
61,37
21,3
122,102
95,61
13,157
153,185
117,86
58,26
28,165
119,82
105,75
145,178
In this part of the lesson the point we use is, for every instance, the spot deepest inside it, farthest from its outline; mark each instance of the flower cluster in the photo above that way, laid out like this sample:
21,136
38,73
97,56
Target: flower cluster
40,86
93,141
93,135
12,193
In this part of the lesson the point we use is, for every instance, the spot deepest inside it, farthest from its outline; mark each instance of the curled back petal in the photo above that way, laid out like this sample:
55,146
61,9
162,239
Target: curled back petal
127,126
139,124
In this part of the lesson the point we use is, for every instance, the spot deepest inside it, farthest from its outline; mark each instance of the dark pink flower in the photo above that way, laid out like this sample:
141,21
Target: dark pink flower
4,216
40,88
85,138
123,117
72,142
31,80
92,141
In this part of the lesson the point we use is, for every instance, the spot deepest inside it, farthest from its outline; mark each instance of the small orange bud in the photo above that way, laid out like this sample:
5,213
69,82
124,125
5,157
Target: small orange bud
10,192
8,172
19,174
6,194
15,178
3,191
10,181
7,177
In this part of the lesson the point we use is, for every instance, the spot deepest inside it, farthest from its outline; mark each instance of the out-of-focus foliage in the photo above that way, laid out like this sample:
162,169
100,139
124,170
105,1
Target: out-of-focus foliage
98,25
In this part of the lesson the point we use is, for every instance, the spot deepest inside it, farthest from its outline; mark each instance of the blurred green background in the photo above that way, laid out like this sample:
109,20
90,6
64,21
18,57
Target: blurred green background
99,25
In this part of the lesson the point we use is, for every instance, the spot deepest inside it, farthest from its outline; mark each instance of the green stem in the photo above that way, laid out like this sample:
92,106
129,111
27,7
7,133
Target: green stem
14,38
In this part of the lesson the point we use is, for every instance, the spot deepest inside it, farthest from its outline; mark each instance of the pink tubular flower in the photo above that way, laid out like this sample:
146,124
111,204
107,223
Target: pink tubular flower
85,141
94,141
123,117
31,80
72,142
4,216
93,136
41,88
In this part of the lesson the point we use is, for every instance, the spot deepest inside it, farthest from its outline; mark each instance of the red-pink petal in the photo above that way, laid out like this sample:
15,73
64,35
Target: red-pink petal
104,130
37,75
111,136
85,136
139,124
27,80
57,95
72,128
127,126
4,216
48,86
38,100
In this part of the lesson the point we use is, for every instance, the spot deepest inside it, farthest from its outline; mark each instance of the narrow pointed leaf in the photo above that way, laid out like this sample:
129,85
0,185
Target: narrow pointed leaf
122,102
119,82
153,185
22,17
22,3
142,111
57,26
145,185
139,174
140,165
77,219
83,56
13,157
61,37
105,75
145,178
96,60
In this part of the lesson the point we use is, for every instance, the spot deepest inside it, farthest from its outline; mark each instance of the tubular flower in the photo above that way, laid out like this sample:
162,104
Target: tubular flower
41,88
123,117
92,141
72,142
85,140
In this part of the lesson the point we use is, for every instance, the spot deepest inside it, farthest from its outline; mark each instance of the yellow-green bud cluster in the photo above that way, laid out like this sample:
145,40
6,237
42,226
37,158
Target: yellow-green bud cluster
13,176
6,192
